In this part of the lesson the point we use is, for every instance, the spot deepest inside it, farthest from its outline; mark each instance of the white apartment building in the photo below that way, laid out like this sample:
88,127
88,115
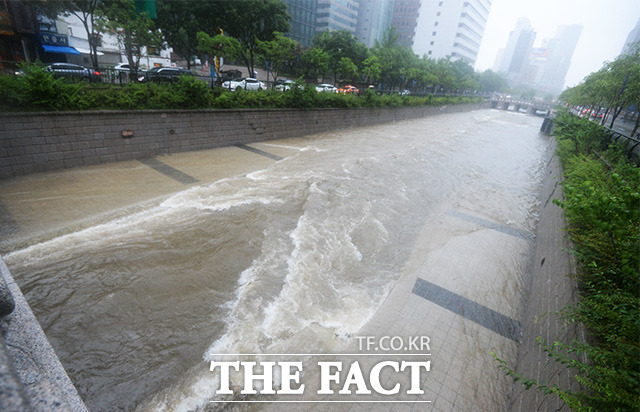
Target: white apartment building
451,28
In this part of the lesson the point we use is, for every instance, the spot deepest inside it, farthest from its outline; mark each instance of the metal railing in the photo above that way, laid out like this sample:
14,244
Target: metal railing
630,145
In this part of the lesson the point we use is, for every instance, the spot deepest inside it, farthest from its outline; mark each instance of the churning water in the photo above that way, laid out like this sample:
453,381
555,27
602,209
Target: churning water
293,258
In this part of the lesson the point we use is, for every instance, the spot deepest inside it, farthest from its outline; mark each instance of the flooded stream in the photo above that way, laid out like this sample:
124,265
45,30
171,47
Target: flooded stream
296,257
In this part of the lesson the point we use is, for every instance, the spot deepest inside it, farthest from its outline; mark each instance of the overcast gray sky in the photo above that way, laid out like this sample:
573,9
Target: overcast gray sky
607,24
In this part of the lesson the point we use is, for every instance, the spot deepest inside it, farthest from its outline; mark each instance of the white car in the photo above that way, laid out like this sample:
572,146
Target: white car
325,87
285,85
245,84
122,71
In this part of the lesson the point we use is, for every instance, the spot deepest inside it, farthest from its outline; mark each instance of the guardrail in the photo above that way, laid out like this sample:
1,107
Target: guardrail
630,145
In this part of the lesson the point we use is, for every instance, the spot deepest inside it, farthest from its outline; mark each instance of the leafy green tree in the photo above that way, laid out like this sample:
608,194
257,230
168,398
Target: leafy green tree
446,78
594,91
219,45
181,20
615,86
347,69
394,60
455,76
465,76
133,29
250,21
277,52
339,44
633,87
420,74
623,73
315,63
413,75
371,69
492,82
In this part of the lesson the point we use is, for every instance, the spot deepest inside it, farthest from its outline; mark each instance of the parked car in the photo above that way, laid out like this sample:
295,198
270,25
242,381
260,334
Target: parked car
348,89
284,85
164,74
249,83
122,71
74,72
232,84
325,87
405,92
598,113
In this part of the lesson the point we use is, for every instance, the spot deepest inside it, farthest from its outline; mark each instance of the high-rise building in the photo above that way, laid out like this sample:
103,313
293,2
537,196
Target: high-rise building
337,15
561,49
498,61
374,20
451,28
405,20
303,20
537,62
521,52
515,55
634,37
543,68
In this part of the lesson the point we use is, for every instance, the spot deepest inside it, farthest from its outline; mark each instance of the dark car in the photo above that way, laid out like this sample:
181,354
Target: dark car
164,74
231,75
74,72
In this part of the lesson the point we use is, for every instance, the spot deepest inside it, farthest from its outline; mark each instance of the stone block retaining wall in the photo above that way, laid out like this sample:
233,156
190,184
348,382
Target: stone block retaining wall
40,142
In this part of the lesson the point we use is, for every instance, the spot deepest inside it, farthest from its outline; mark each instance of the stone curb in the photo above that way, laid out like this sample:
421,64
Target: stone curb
32,377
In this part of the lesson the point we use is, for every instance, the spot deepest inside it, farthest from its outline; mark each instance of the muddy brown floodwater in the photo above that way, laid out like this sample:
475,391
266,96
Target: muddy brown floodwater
299,254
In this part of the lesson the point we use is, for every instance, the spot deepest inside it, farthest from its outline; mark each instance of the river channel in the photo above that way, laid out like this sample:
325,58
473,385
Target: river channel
295,257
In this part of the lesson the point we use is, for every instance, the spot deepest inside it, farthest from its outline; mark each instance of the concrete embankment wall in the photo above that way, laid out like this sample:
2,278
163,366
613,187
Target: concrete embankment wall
31,375
40,142
550,290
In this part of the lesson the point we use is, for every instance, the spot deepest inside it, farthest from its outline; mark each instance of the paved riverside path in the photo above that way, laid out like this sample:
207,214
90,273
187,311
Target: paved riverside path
462,285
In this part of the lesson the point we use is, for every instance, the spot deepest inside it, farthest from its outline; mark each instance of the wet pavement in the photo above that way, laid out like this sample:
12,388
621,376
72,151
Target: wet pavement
451,251
41,206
